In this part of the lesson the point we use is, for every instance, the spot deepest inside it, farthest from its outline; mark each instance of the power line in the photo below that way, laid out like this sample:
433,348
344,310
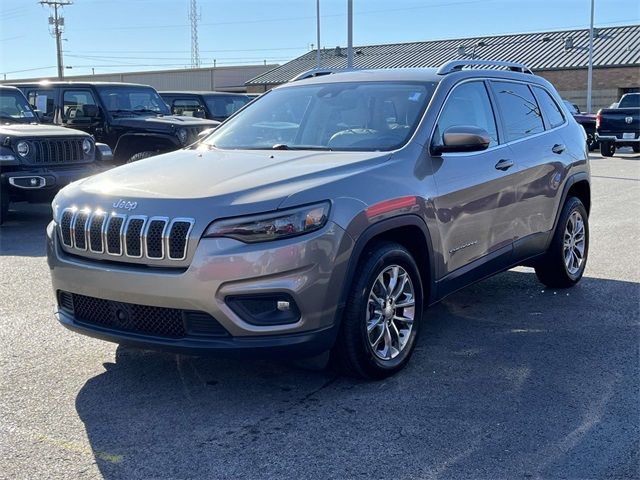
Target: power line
57,23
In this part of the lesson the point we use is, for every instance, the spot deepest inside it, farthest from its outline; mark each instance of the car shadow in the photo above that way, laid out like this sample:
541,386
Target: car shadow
24,231
508,377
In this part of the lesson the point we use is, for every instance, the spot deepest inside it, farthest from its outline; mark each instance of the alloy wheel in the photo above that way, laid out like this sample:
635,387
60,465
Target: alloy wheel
574,243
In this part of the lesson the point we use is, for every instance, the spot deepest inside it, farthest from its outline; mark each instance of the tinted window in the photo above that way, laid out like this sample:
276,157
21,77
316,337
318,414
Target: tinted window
79,104
630,101
223,106
363,116
14,107
189,107
468,104
550,109
520,112
132,100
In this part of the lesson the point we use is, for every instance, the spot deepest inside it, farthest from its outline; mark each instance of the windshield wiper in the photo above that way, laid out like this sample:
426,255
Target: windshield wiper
145,110
284,146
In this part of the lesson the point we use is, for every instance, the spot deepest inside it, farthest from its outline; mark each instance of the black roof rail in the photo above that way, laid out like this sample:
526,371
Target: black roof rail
456,65
318,72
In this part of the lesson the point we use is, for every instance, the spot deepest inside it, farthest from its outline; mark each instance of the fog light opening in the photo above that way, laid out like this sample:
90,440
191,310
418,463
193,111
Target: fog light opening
265,309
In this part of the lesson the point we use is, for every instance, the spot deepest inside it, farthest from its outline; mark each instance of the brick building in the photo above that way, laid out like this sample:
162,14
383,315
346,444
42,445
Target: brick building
560,56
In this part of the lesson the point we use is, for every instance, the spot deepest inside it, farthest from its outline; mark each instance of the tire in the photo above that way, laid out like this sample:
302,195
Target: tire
607,149
592,143
554,270
141,155
636,147
4,203
356,351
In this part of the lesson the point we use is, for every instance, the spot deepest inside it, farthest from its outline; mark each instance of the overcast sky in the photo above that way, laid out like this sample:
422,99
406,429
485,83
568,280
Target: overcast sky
131,35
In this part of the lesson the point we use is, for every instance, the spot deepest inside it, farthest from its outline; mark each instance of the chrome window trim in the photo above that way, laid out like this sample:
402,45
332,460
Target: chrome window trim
91,218
163,237
191,223
126,230
105,229
500,145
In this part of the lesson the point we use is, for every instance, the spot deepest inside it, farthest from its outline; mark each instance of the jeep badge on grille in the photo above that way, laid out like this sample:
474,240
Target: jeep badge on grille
125,205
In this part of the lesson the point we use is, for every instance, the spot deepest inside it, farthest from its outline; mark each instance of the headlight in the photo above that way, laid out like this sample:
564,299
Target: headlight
272,225
87,145
182,135
22,148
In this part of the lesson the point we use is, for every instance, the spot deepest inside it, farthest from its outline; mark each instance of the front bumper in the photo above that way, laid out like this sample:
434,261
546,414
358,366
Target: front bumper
310,269
33,180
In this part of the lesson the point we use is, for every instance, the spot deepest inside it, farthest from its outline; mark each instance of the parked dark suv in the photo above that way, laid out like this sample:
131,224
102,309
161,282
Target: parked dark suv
212,105
132,119
326,215
37,160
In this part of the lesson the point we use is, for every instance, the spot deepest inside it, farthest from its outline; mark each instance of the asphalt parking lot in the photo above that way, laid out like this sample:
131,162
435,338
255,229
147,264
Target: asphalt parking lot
510,380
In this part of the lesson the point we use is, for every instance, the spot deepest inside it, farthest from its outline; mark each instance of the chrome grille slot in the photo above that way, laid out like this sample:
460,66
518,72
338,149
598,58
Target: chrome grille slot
177,239
79,228
65,227
113,234
154,237
96,225
133,236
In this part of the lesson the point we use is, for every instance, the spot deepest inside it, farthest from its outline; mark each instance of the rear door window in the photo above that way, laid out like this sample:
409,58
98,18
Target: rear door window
550,109
468,104
519,110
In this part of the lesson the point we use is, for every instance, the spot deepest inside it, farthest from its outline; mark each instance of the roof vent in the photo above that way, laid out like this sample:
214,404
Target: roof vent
546,38
568,43
461,51
338,51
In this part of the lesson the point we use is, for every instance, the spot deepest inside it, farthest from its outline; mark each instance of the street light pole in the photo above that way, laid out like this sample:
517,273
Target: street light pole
590,67
318,32
349,33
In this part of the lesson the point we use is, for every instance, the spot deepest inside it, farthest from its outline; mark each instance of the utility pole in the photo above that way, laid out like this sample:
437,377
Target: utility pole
194,17
590,68
349,33
57,23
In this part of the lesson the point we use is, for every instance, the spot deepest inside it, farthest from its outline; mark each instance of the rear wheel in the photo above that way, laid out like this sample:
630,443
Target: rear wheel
564,262
607,149
592,143
4,203
380,327
141,155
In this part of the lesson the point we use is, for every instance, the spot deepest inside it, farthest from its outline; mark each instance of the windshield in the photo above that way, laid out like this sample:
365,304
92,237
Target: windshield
127,100
332,116
14,107
223,106
630,101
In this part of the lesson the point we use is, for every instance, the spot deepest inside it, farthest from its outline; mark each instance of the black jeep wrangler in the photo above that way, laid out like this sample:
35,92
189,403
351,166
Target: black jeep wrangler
132,119
37,160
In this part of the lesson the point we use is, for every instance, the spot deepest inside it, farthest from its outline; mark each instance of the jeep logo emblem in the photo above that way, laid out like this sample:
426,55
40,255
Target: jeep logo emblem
125,205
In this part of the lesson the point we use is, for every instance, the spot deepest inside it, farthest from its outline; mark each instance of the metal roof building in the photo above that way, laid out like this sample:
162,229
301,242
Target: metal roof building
555,55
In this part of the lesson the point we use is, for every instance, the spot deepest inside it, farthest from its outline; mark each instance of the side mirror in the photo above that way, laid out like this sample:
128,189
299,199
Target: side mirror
463,138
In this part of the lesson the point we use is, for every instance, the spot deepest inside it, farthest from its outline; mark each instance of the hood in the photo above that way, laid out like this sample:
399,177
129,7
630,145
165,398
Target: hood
228,178
164,122
39,130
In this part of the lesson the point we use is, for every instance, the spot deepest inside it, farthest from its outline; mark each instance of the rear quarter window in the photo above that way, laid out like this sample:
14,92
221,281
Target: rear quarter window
550,109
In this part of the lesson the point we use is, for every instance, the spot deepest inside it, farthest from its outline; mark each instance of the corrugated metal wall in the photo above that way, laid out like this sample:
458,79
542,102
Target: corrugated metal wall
215,78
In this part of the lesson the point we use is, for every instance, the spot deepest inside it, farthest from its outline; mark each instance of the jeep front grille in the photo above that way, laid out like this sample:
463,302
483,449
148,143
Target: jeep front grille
56,151
133,236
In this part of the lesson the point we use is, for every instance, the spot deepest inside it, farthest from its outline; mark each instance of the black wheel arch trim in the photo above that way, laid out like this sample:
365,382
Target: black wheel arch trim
378,229
572,180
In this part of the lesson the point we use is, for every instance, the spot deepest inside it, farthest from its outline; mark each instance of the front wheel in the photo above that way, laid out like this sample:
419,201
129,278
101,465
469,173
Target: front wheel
381,322
141,155
564,262
607,149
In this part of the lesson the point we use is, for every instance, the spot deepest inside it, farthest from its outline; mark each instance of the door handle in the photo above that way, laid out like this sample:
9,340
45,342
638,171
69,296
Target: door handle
558,148
504,164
